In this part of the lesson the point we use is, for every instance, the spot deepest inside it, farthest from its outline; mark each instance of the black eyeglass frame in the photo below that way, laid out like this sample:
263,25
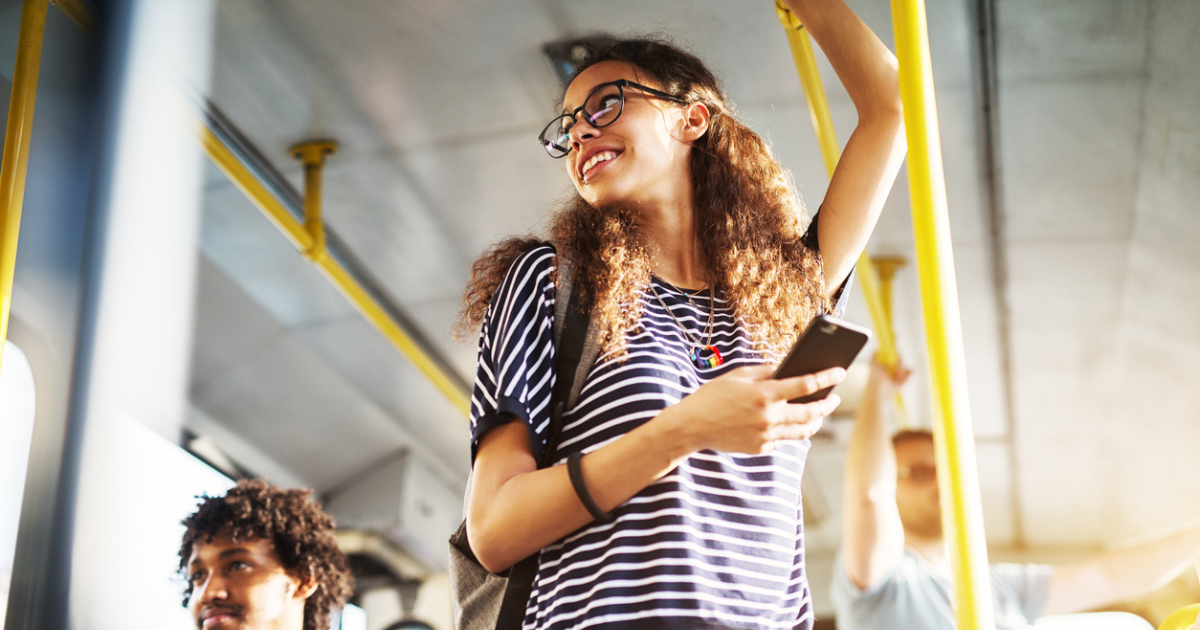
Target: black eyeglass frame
621,84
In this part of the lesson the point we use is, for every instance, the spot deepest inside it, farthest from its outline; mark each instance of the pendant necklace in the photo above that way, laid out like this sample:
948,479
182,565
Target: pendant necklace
704,355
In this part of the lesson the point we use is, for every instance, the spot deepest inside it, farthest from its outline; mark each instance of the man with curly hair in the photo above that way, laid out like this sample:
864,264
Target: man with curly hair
262,558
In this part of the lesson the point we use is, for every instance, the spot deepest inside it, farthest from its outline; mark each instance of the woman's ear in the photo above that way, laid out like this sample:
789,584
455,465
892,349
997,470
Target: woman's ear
695,121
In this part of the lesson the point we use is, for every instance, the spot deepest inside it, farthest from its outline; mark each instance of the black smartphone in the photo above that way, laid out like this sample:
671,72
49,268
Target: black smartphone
827,342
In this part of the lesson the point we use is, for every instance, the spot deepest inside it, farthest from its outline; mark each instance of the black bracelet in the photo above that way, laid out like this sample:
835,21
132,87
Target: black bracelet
581,489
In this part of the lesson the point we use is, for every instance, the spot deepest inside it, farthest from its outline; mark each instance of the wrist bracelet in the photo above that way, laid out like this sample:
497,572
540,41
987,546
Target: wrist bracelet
576,473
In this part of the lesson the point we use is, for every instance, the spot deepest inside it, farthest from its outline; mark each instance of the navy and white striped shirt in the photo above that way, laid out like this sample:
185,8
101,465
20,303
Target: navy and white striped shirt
716,543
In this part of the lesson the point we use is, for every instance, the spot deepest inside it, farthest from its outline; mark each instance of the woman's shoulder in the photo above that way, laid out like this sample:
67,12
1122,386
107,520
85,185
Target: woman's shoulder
535,263
529,274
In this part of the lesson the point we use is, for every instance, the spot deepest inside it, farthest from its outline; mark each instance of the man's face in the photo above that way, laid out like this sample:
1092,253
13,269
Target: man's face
243,586
917,489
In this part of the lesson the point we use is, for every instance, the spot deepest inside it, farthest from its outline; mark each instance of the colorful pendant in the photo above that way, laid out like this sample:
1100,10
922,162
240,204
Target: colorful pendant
708,362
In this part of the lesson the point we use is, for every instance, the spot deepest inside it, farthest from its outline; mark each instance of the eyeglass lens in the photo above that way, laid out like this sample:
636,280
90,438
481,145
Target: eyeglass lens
601,108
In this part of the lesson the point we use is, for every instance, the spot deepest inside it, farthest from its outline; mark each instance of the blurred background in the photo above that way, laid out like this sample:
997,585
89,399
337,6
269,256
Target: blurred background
173,326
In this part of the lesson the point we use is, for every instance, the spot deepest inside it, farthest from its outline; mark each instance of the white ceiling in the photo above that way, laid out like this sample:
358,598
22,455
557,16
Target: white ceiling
436,106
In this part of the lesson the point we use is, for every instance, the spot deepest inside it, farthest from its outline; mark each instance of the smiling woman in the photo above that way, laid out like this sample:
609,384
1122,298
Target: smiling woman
672,494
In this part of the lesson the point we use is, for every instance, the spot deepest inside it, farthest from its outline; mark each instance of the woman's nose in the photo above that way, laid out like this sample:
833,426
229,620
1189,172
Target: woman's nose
582,130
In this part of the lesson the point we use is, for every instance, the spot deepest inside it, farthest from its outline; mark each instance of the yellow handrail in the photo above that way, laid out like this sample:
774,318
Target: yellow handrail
15,159
962,514
313,249
818,110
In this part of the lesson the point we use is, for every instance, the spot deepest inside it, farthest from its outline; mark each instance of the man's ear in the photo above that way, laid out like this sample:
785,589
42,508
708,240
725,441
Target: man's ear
305,588
695,121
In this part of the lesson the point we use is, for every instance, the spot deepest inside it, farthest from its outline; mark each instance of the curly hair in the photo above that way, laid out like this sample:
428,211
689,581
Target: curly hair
302,534
749,223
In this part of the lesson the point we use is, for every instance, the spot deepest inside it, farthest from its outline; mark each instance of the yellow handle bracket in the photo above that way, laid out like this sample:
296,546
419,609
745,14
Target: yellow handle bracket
312,154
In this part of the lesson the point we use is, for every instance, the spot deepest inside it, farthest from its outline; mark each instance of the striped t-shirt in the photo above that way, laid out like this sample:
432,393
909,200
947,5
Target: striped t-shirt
716,543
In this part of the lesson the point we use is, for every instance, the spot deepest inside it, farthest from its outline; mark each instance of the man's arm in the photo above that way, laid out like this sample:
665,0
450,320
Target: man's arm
1124,572
872,535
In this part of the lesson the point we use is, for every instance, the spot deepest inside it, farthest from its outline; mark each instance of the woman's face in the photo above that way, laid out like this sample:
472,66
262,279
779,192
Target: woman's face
640,157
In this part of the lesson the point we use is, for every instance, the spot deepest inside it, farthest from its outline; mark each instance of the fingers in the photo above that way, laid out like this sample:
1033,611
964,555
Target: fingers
797,386
797,431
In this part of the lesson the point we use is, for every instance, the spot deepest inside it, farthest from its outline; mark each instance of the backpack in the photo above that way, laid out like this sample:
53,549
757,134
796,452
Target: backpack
483,600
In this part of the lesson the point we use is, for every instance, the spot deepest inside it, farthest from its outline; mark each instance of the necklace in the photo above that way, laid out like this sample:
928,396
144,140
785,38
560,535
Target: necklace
704,355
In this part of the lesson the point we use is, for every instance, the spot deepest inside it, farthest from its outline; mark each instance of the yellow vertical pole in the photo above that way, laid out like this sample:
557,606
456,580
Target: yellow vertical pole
962,514
885,267
17,136
818,110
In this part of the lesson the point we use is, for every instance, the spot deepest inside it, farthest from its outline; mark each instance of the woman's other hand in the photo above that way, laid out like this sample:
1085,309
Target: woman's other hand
746,411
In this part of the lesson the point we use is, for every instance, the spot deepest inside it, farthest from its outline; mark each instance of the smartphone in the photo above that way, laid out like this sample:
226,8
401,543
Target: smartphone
827,342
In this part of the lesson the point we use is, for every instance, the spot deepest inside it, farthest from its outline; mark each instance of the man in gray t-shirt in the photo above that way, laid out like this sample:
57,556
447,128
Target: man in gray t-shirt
894,568
914,596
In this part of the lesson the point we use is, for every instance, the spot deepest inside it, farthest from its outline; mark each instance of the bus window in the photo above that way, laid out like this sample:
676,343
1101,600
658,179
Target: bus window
16,431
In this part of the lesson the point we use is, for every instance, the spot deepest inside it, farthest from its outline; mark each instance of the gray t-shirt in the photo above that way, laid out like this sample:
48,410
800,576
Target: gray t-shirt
914,597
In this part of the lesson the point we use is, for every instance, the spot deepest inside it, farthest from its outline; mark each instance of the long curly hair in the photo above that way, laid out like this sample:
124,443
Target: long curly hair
748,216
302,533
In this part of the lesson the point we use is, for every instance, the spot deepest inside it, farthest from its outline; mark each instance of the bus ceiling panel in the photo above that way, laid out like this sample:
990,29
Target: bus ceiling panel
252,374
364,358
302,414
981,339
398,74
491,187
1050,42
1071,154
229,327
243,243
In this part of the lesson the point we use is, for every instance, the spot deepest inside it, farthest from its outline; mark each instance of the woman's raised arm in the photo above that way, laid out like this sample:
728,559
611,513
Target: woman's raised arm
875,150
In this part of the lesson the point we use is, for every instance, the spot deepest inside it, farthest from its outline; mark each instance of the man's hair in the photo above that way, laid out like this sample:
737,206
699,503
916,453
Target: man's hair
301,532
906,435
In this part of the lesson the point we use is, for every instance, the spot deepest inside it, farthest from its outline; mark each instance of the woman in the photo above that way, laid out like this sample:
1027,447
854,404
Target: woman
688,242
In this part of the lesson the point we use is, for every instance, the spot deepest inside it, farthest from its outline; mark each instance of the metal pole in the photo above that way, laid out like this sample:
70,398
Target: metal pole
15,160
962,514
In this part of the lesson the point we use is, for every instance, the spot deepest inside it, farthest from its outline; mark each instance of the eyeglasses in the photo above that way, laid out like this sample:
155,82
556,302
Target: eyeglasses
918,473
602,107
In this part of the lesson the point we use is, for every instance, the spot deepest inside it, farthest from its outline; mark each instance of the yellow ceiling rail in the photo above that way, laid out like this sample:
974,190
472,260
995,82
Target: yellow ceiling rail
818,109
309,239
958,477
15,159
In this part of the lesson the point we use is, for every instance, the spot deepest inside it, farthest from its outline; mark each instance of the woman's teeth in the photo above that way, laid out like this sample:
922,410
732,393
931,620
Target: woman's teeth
602,156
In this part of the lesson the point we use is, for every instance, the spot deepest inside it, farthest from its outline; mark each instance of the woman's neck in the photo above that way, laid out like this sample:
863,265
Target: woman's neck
674,249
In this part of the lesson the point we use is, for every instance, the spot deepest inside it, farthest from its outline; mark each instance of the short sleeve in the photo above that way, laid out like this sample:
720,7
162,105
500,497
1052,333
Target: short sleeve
515,374
1023,586
841,297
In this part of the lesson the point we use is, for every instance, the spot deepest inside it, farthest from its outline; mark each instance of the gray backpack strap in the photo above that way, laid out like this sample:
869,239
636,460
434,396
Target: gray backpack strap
591,343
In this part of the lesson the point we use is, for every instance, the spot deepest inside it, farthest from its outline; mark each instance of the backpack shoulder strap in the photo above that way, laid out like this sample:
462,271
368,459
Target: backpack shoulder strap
575,350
